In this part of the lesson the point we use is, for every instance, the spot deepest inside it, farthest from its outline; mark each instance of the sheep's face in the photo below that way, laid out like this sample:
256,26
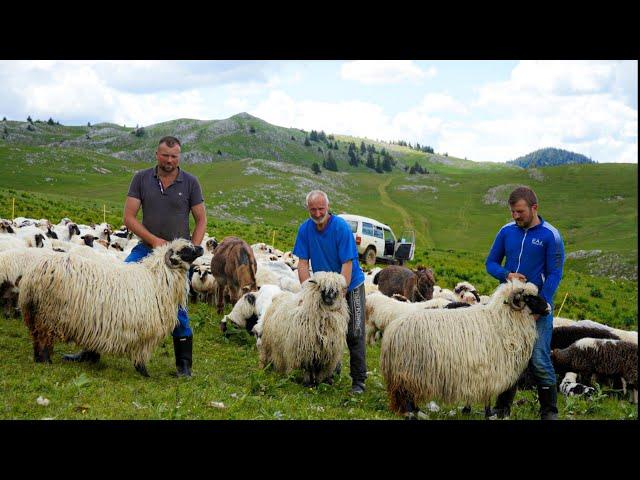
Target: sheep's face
211,244
73,229
332,287
526,295
181,254
243,314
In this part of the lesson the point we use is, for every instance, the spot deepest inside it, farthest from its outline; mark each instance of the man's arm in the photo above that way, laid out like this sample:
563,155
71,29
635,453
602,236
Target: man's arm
554,264
303,270
131,207
200,215
493,263
346,271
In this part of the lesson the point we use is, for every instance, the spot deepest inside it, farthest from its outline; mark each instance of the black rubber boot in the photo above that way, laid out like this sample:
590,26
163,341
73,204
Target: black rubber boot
183,347
503,404
83,356
548,397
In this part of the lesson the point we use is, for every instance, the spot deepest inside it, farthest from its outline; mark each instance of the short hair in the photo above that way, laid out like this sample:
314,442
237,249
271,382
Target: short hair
523,193
169,141
315,193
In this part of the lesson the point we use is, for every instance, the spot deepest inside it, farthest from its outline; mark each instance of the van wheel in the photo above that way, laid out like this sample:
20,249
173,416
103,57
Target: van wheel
370,256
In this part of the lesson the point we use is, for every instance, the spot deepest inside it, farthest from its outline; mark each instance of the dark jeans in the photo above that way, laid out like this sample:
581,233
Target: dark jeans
355,335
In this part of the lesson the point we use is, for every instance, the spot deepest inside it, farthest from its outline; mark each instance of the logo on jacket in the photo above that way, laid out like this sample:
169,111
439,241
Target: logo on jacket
538,242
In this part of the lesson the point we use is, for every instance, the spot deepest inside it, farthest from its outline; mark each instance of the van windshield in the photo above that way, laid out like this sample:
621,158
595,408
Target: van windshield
353,224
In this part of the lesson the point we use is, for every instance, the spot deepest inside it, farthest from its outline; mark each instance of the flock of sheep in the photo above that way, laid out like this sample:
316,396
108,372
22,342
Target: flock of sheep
70,283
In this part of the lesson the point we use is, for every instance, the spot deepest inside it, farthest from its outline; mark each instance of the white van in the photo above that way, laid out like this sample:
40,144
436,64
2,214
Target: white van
376,241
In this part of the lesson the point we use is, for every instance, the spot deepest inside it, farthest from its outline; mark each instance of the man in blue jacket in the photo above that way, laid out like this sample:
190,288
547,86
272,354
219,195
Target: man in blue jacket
327,241
534,252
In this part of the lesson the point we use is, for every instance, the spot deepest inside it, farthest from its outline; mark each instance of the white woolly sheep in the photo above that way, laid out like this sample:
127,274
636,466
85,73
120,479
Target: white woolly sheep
381,310
125,309
463,355
307,330
610,358
204,283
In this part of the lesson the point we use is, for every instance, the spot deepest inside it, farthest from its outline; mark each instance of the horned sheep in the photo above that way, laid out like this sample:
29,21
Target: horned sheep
307,330
463,355
125,309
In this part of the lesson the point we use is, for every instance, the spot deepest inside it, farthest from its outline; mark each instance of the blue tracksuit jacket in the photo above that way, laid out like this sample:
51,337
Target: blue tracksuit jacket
537,253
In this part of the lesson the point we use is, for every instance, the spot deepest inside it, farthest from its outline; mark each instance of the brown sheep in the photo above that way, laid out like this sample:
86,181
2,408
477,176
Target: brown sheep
233,266
416,285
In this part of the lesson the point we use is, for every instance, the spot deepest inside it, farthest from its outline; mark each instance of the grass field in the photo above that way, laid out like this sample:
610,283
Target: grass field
256,190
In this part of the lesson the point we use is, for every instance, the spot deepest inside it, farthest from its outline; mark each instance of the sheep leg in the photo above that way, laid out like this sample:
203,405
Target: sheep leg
220,303
141,368
306,379
635,396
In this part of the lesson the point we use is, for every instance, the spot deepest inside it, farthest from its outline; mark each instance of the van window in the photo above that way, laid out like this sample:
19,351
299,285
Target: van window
353,224
367,229
378,232
388,236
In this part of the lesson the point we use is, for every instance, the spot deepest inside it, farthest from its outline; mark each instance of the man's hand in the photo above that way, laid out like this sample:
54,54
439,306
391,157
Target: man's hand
517,276
158,242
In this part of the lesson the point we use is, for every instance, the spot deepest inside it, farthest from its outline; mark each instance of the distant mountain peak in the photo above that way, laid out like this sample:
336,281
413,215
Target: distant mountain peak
550,157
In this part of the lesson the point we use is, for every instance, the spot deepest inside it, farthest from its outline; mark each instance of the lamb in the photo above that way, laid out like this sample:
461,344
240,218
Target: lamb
467,293
589,356
570,387
125,309
204,283
248,312
416,285
307,330
463,355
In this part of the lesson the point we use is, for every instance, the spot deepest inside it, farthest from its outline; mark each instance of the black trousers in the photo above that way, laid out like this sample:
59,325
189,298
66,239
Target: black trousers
355,335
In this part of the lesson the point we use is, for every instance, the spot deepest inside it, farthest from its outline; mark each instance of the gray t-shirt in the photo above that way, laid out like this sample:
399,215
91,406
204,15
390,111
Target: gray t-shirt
165,211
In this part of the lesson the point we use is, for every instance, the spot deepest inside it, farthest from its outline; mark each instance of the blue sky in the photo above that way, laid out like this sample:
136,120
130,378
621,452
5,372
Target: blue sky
482,110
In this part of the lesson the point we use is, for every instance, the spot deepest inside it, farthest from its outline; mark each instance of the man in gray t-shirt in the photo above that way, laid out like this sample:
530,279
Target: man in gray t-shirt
167,196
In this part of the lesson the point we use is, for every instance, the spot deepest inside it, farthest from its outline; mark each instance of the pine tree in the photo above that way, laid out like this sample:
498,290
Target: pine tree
378,166
252,129
88,124
316,168
29,119
50,121
313,136
363,148
386,164
307,143
330,163
370,161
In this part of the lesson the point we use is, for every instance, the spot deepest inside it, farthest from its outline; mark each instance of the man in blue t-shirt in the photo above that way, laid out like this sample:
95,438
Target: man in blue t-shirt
327,241
534,253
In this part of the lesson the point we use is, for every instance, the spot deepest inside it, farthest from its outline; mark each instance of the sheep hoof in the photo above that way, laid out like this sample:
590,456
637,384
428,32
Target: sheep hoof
142,370
466,409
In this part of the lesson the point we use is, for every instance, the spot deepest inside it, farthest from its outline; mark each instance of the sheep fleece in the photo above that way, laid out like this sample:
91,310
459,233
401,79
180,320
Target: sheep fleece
463,355
299,331
103,306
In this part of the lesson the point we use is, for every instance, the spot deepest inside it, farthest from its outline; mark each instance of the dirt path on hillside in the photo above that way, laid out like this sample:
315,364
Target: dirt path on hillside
422,234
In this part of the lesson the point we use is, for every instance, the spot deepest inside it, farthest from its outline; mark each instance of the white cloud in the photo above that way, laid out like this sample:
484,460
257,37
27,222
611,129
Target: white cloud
379,72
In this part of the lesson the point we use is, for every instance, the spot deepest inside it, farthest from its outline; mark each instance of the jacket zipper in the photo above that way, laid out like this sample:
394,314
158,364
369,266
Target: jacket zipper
521,249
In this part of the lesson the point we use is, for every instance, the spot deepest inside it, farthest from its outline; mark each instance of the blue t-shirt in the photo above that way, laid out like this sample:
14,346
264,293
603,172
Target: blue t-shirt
537,253
329,249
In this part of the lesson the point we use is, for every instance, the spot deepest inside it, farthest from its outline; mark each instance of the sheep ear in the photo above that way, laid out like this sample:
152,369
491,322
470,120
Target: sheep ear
18,280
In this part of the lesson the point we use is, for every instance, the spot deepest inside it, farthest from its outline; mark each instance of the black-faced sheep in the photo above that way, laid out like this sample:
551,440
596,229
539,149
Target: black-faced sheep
463,355
307,330
612,358
106,307
416,285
